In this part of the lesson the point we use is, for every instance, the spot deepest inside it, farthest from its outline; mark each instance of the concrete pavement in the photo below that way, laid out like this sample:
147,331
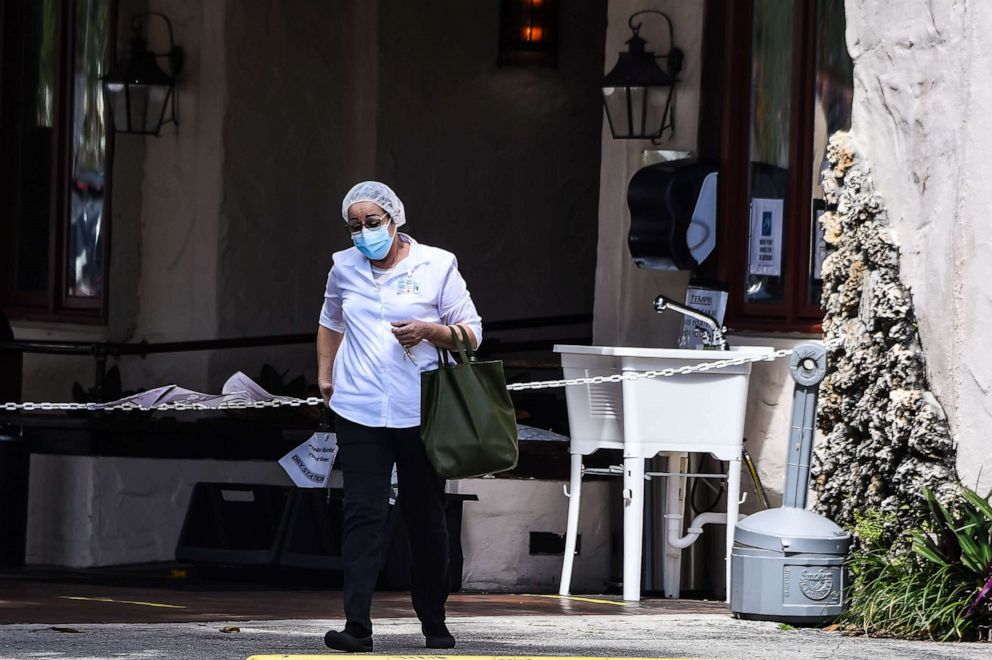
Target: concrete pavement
696,635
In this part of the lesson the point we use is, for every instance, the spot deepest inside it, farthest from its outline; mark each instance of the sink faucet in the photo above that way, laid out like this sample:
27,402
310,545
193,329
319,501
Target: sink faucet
715,341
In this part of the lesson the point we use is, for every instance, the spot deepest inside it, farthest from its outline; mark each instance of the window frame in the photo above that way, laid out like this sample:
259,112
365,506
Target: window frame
53,304
727,84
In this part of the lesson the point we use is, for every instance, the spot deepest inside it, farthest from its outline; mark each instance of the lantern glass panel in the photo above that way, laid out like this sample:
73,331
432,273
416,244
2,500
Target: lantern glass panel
654,115
615,99
117,100
147,106
636,111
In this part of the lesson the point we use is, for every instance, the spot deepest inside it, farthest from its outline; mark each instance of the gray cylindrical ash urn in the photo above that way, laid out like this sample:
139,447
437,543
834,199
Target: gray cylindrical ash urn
788,566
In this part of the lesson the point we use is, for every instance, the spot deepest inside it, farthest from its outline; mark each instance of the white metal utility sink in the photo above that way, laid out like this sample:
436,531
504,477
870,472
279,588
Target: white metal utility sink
674,415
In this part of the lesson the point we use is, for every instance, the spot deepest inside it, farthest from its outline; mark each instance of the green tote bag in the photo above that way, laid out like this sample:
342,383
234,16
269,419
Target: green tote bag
467,420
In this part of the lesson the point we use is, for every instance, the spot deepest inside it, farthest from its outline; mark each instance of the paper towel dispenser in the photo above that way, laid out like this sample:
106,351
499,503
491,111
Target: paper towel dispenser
673,214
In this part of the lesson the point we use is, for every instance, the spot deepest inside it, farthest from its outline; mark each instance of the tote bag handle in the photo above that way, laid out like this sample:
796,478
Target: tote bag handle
462,344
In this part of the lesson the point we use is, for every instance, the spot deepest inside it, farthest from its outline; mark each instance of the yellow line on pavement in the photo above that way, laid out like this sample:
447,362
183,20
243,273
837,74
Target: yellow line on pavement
581,599
124,602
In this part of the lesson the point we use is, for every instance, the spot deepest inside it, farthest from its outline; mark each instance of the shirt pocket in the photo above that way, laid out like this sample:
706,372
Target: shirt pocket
412,297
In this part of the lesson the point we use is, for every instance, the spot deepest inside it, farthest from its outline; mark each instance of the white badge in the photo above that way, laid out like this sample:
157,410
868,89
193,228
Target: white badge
407,286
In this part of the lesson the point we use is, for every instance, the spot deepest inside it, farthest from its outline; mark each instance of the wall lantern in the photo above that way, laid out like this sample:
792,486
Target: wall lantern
637,93
528,33
137,91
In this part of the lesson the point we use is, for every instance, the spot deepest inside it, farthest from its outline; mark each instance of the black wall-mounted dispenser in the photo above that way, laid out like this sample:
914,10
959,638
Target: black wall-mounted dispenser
672,214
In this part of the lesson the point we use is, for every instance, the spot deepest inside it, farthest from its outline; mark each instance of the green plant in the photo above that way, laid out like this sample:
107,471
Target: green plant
111,389
964,538
275,383
940,589
869,526
891,597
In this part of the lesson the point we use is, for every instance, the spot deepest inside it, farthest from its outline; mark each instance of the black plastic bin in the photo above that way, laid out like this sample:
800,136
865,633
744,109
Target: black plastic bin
313,537
313,534
234,524
295,528
15,462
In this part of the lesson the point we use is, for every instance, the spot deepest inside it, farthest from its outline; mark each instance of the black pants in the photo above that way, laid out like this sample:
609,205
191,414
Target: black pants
366,456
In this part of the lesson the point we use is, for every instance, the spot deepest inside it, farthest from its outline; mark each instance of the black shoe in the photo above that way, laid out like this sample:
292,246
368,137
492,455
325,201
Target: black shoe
346,641
438,636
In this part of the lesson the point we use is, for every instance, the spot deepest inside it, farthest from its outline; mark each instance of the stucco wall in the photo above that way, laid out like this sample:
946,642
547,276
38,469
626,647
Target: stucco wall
299,130
499,165
100,511
177,225
224,226
923,86
624,315
166,205
496,532
623,312
108,511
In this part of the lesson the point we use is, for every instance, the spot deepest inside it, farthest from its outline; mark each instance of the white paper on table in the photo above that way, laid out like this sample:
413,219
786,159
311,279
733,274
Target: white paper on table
144,399
239,388
765,237
243,386
165,394
309,465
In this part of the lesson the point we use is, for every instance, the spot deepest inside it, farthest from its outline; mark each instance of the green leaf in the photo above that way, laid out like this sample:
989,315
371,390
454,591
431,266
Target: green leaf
981,504
926,549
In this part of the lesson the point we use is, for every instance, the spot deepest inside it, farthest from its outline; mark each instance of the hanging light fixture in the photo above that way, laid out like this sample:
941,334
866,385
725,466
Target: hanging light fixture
137,91
638,94
528,33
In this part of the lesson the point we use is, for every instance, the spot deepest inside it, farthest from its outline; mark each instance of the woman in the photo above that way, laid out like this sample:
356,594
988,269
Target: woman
389,302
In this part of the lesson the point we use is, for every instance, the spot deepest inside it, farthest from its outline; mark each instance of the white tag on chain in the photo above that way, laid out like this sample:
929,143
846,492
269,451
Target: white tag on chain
309,465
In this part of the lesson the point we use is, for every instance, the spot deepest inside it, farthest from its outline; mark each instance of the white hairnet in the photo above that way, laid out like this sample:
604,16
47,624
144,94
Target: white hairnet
377,193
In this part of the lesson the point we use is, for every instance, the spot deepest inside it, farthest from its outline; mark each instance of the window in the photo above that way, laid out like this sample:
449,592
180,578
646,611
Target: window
54,159
778,88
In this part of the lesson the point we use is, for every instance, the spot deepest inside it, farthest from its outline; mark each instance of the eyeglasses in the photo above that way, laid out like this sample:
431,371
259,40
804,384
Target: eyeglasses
371,222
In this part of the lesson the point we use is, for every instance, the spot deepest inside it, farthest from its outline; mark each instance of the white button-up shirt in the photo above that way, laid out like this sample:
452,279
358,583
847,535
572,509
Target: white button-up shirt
375,384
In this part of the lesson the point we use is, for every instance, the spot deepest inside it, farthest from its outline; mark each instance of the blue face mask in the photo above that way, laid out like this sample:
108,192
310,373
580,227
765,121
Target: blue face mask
374,243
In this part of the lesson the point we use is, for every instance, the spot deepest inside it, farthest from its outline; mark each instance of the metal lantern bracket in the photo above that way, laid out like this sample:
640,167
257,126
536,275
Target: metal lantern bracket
140,95
674,58
637,77
175,55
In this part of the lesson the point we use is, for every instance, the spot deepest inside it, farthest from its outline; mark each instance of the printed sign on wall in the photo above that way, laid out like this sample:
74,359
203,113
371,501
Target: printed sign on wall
765,237
706,300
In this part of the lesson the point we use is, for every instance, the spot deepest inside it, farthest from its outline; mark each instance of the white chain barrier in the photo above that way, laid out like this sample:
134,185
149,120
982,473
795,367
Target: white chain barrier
234,402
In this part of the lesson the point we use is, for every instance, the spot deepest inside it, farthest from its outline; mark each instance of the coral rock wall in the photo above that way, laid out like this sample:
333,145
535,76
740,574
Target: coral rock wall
886,436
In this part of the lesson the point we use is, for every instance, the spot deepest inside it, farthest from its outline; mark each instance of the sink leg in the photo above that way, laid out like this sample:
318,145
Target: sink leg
674,504
572,530
733,508
633,524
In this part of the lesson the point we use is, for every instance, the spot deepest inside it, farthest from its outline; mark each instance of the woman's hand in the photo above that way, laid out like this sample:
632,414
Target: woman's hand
410,333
